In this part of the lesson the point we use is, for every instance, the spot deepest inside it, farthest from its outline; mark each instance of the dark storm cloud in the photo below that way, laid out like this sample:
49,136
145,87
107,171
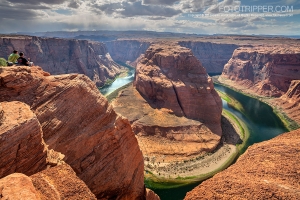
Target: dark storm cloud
17,14
34,2
73,4
160,2
136,9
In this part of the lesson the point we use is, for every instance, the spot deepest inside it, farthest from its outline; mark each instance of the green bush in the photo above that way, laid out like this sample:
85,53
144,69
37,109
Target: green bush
3,62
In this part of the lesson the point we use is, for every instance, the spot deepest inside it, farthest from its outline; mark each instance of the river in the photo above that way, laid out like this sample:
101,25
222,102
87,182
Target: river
259,117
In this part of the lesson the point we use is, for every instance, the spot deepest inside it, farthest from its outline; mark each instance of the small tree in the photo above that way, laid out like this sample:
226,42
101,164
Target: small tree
3,62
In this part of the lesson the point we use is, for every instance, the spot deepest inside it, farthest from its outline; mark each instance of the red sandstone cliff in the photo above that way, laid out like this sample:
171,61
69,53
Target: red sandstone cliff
171,77
64,56
267,71
268,170
78,121
213,56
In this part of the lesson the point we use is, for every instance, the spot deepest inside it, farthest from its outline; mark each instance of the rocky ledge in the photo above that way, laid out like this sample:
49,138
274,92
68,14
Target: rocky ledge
55,183
76,120
268,170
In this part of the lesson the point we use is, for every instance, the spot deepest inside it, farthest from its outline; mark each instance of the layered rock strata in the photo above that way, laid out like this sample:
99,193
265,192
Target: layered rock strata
63,56
213,56
266,71
77,121
290,102
56,183
22,148
127,51
171,77
162,135
268,170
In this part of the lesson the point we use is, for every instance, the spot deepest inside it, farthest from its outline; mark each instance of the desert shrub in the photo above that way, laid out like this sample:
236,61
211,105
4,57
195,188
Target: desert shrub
3,62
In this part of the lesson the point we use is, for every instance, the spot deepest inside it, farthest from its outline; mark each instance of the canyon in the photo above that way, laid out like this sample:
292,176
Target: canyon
94,139
65,56
175,113
271,73
268,170
171,114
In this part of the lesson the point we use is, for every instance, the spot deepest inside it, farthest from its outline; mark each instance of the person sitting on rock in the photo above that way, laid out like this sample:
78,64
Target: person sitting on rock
24,61
12,58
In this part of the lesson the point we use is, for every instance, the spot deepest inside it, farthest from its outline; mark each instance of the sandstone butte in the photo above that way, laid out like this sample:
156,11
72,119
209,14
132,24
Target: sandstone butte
77,121
268,170
171,77
173,108
267,71
64,56
55,183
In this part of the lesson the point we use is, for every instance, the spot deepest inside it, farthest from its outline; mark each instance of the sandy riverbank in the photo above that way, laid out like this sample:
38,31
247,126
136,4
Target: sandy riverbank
201,166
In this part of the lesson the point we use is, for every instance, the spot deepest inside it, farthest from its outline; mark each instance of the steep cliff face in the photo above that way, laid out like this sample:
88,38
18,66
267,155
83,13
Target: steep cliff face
213,56
173,78
290,101
127,51
63,56
78,121
268,170
55,183
22,148
267,71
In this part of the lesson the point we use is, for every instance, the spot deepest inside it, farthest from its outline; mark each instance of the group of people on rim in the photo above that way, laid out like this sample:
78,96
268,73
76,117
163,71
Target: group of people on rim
18,59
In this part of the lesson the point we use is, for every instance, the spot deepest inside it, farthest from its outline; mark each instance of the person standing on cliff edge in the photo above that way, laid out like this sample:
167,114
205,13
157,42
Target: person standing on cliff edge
24,61
12,58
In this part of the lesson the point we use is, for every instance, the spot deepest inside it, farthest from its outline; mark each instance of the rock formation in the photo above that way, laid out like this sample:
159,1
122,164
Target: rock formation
268,170
60,182
290,101
56,183
173,109
213,56
127,51
267,71
77,121
63,56
22,148
18,186
150,195
172,78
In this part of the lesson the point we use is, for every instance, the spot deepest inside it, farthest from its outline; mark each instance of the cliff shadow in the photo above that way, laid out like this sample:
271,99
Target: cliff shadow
230,135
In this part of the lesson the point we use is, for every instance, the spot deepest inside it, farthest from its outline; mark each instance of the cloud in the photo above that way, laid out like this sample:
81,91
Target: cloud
131,9
160,2
34,2
217,7
73,4
196,5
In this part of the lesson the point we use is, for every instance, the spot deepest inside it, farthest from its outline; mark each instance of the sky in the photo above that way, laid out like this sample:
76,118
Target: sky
268,17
